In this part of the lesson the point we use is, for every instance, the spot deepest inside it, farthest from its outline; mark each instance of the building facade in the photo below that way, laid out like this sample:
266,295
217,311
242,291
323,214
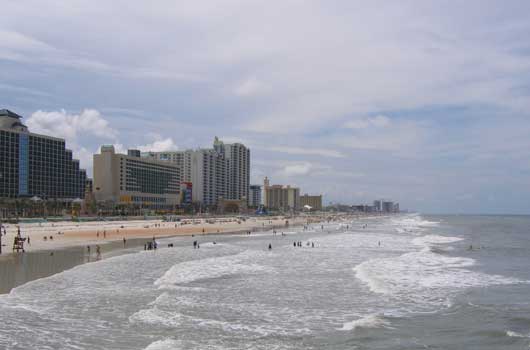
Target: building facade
209,177
222,172
315,202
238,156
131,180
285,198
254,196
181,158
36,165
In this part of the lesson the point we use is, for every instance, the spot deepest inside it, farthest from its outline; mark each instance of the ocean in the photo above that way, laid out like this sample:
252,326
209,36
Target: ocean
400,282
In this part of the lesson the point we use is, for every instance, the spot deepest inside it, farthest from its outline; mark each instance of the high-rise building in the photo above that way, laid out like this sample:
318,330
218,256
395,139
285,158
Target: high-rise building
255,196
266,184
181,158
315,202
238,157
36,165
209,176
221,172
204,171
388,207
131,180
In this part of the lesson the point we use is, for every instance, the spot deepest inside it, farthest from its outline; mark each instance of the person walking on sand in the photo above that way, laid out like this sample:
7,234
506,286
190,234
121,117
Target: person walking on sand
98,252
88,250
124,242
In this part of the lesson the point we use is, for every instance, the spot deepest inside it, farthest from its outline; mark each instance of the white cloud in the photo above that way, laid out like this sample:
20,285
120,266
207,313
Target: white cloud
163,145
70,126
297,169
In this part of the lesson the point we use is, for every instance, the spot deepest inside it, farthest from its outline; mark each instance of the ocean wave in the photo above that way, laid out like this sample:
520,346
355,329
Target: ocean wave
516,334
410,222
429,240
157,317
424,278
166,344
195,270
370,321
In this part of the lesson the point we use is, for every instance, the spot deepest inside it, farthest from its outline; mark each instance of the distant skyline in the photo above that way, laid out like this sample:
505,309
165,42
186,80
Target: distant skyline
423,102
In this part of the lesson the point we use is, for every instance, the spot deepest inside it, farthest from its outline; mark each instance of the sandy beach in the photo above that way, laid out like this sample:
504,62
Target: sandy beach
58,235
68,246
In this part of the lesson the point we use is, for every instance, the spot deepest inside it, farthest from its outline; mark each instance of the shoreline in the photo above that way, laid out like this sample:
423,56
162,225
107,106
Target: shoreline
52,257
46,260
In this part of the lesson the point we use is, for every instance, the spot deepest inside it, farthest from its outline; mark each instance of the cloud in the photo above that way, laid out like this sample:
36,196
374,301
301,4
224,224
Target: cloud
248,87
321,152
297,169
159,146
379,121
71,126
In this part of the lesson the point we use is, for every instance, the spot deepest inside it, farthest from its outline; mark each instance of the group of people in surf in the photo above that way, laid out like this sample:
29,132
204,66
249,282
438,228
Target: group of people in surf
299,244
98,251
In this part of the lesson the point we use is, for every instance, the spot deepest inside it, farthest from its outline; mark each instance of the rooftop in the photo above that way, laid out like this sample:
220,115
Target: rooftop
8,113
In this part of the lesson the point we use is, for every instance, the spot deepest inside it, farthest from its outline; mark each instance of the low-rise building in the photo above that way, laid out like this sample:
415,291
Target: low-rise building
315,202
284,198
131,180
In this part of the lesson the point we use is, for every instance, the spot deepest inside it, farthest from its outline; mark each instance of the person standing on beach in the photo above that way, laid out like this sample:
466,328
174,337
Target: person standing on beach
98,252
88,250
124,242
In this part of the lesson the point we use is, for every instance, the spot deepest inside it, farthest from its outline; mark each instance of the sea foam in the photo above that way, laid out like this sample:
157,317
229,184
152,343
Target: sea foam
425,278
370,321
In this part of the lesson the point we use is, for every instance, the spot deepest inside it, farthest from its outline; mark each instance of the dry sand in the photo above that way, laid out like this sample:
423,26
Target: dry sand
69,234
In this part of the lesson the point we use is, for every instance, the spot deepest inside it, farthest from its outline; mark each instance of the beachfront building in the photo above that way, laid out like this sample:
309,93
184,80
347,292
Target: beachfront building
315,202
238,157
213,173
284,198
36,166
266,185
204,171
386,206
131,181
181,158
254,196
209,177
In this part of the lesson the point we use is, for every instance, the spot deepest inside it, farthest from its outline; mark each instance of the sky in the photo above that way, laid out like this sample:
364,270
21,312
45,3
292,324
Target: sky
422,102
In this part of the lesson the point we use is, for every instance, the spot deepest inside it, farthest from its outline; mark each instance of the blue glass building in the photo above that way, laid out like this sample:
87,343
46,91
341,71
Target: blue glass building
36,165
